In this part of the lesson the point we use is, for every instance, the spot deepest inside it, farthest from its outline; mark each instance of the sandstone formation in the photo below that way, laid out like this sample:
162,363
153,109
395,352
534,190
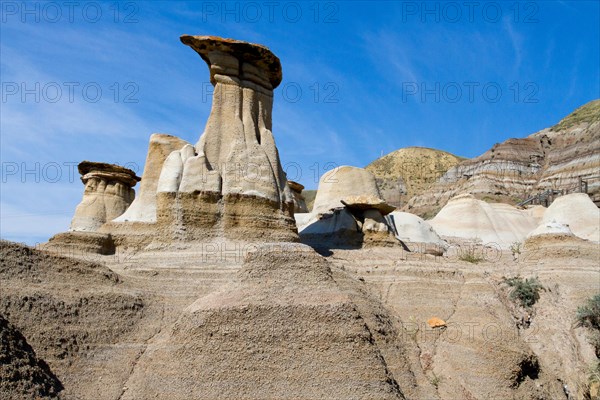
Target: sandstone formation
564,159
299,201
481,354
348,211
230,183
578,212
143,208
410,171
286,328
494,224
342,183
550,228
108,193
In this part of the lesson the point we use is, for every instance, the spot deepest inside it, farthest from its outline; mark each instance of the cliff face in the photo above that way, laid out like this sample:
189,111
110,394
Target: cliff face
556,158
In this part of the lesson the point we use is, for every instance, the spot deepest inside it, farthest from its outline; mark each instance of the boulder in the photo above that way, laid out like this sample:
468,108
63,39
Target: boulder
416,233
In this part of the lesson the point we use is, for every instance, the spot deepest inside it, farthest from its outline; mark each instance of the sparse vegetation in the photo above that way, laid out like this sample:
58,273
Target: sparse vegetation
525,291
589,317
594,376
515,249
470,255
592,388
435,380
589,112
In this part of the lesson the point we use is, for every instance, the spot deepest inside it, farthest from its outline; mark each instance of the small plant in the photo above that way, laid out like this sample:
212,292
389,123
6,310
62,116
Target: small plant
469,255
592,388
435,380
589,317
515,248
527,291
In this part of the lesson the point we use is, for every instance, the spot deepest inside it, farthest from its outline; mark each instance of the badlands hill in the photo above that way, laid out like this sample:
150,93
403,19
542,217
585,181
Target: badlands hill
563,158
410,171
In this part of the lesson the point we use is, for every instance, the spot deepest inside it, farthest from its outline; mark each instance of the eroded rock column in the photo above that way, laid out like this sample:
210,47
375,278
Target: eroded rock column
231,182
108,193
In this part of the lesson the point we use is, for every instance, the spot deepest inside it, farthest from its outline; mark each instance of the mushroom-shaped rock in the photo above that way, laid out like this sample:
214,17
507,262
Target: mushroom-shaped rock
299,201
108,193
356,186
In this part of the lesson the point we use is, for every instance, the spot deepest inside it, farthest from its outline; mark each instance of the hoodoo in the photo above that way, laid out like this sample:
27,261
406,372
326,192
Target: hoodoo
230,183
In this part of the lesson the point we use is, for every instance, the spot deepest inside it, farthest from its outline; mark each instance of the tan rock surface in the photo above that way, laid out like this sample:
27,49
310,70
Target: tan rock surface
231,182
348,212
286,329
143,208
23,375
343,182
367,202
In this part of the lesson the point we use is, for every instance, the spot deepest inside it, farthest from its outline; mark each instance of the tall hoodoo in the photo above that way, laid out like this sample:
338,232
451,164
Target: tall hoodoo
232,178
237,142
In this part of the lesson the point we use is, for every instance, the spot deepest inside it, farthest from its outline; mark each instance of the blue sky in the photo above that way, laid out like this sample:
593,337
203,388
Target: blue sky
93,81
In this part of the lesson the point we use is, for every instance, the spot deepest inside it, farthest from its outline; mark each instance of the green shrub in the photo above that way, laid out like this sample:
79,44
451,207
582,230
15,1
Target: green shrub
515,248
589,317
469,255
527,291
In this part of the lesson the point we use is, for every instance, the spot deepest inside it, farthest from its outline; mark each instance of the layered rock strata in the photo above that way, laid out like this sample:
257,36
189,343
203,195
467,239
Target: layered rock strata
288,328
562,159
